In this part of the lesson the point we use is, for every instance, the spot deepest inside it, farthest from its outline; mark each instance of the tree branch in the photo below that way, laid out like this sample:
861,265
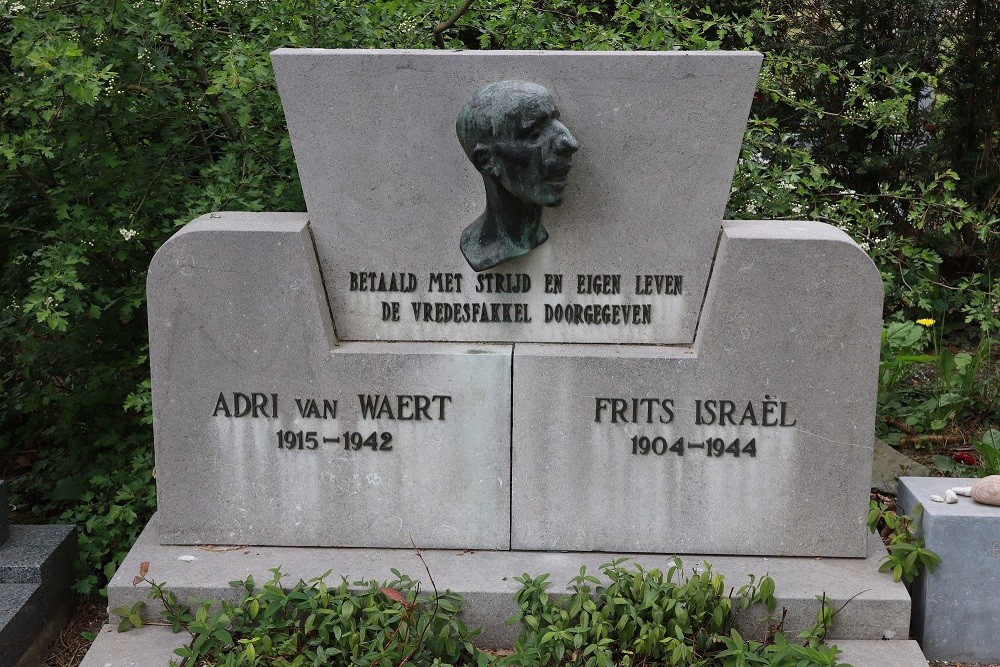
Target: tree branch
444,25
231,128
35,185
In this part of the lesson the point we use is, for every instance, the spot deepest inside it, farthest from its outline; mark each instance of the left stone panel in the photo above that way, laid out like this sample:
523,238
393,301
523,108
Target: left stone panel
267,431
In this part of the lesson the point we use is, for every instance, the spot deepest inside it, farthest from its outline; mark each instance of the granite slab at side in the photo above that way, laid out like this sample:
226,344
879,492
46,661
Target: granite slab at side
660,134
36,574
148,646
486,580
4,505
955,607
624,448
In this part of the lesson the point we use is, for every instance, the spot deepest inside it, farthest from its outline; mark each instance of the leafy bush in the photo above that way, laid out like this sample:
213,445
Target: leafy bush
907,556
927,392
121,121
647,617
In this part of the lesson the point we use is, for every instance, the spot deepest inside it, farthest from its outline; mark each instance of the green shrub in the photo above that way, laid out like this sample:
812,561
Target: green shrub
644,617
641,617
120,121
907,556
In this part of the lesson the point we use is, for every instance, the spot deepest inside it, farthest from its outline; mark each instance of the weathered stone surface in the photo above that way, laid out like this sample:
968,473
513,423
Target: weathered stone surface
987,490
239,322
889,464
876,653
954,607
389,189
790,335
149,646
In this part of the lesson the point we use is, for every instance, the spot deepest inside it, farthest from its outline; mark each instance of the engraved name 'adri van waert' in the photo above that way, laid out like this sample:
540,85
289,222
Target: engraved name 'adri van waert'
511,132
370,407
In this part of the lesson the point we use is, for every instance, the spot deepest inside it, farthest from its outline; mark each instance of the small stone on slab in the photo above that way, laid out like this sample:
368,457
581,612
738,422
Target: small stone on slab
987,490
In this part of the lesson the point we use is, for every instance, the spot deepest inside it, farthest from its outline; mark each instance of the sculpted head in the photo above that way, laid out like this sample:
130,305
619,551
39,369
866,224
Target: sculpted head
511,132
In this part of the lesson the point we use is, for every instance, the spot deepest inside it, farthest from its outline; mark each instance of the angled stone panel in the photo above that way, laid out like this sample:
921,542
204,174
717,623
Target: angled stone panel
389,189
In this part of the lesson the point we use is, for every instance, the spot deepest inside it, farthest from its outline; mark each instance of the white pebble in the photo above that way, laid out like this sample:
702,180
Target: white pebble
937,499
963,490
950,497
187,559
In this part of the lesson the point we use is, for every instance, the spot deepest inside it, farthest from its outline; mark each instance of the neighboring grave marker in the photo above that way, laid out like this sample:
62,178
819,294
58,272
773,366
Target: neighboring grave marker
955,607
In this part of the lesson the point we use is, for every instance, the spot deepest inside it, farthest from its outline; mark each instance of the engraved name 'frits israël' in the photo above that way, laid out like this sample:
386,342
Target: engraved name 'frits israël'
707,412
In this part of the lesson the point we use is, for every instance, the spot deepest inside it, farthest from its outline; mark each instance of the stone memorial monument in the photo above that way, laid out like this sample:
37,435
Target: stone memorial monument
514,321
633,375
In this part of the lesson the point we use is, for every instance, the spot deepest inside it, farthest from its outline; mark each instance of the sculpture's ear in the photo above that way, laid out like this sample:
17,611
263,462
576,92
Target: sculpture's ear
484,158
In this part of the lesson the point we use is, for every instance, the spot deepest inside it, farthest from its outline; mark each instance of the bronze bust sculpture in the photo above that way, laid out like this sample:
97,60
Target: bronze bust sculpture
511,132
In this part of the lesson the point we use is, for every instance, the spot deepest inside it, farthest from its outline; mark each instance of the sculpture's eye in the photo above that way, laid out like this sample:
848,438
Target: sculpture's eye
536,133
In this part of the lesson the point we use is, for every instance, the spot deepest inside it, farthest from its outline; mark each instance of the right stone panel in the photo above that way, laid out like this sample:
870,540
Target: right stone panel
755,440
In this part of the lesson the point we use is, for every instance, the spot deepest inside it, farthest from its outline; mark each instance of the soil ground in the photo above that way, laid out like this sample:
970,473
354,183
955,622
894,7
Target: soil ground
68,649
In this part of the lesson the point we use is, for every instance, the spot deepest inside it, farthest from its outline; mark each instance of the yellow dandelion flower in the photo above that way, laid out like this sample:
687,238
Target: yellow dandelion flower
926,322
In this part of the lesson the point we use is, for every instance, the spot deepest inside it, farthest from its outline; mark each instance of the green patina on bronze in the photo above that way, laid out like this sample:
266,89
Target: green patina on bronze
512,134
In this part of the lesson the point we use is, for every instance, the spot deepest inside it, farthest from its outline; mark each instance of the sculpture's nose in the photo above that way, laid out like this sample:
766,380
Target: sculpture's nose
566,143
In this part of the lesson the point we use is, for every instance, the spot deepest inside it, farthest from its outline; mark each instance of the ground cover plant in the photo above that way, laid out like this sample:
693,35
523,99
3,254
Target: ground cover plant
633,616
121,121
907,556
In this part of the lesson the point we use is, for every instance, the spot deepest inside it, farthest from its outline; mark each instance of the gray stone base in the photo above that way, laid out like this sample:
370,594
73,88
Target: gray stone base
36,572
153,646
877,606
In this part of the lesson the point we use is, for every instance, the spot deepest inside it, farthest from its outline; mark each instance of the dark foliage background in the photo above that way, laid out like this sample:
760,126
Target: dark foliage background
121,121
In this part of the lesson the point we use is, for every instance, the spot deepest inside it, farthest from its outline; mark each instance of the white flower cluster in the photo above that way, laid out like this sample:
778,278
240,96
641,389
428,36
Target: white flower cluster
409,26
127,234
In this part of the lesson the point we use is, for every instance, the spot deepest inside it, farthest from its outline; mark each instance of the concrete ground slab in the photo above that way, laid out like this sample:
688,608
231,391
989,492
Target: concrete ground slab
905,653
148,646
153,646
876,606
